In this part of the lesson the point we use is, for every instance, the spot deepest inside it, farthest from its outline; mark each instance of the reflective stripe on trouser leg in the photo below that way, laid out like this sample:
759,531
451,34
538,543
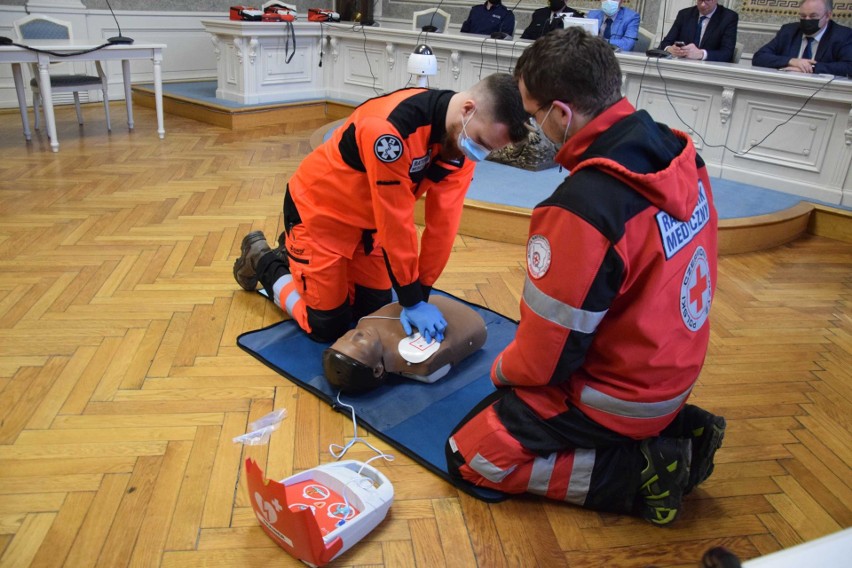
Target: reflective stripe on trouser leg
483,451
564,475
494,458
489,455
287,298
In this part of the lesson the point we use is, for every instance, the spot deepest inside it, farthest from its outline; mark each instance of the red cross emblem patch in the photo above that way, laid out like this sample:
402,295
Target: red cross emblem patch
696,291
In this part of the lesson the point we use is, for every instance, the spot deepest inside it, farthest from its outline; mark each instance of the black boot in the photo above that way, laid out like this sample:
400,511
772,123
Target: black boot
706,431
664,479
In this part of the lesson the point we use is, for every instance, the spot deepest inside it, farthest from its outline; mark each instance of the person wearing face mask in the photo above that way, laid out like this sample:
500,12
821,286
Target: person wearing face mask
349,233
704,32
590,406
815,44
549,18
362,358
619,26
491,17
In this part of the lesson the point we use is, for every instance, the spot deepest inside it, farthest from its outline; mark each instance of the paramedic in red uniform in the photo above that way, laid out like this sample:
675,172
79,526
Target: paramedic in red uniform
591,394
349,232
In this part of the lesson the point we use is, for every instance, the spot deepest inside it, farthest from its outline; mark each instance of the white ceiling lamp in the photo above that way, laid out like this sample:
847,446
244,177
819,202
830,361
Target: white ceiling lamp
422,62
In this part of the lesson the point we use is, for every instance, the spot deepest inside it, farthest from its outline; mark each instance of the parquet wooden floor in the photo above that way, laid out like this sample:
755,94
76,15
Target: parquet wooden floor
121,385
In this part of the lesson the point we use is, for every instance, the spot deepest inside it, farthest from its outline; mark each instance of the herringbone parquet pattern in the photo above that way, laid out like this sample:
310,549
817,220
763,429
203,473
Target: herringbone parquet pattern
121,385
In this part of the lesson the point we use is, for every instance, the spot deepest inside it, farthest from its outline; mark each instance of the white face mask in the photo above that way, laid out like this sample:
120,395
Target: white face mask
609,7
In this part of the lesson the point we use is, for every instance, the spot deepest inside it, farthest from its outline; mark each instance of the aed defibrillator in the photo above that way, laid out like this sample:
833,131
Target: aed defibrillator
318,514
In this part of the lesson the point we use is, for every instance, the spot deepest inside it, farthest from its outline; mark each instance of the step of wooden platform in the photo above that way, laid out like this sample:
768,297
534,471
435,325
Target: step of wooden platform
509,224
504,223
239,118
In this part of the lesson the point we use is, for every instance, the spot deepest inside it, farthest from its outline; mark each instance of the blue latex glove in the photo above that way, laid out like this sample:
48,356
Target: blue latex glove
426,318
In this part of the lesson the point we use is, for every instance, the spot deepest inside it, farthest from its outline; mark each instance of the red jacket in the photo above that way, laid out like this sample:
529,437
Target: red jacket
621,268
368,175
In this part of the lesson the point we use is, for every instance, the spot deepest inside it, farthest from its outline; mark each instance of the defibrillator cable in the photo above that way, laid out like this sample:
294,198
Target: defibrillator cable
337,451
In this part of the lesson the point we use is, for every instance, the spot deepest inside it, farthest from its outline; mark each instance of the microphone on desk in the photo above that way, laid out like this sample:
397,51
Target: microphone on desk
119,38
500,34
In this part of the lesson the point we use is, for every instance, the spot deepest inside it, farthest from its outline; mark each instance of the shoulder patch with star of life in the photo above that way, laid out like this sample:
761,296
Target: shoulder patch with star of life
388,148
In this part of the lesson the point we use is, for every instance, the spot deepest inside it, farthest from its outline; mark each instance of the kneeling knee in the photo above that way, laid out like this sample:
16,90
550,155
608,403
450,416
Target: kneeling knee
329,325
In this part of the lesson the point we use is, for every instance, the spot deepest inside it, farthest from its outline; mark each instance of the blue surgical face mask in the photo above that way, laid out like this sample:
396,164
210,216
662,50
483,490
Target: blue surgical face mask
471,149
609,7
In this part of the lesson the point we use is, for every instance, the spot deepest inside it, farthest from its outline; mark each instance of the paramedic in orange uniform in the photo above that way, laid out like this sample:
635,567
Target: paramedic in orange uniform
349,232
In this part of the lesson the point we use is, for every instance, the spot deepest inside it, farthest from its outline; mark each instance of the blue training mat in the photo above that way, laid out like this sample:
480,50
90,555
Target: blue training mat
414,417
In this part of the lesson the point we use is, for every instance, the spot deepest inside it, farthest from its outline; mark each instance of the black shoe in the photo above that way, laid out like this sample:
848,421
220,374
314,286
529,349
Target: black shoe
245,267
707,432
720,557
664,478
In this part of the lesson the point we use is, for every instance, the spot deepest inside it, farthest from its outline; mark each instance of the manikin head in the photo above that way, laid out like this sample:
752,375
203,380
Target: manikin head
354,363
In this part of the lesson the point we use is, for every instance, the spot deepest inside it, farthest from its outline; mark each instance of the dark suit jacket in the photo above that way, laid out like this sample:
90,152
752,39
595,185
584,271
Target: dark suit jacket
541,23
720,36
833,56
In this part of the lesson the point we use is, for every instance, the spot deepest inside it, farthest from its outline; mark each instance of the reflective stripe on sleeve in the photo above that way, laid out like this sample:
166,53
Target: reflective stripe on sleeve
594,398
581,476
498,371
560,313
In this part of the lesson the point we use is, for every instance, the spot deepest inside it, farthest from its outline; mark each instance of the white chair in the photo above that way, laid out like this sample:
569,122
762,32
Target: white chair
643,42
435,17
39,27
738,51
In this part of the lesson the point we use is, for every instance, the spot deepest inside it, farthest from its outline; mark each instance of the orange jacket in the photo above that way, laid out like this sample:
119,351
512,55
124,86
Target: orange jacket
371,171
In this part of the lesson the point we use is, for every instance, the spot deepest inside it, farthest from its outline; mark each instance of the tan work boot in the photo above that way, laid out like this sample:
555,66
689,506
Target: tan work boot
245,267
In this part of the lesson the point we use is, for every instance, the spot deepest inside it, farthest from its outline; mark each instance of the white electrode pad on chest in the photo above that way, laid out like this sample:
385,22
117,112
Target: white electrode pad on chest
415,349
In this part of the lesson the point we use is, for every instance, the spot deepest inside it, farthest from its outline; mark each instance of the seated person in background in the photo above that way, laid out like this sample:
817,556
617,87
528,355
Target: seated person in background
492,17
549,18
814,44
618,25
362,357
705,31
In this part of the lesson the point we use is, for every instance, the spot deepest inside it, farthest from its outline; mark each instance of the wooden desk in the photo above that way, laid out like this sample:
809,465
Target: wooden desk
124,53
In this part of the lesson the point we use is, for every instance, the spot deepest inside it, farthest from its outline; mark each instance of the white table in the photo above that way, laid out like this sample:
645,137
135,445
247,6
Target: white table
122,52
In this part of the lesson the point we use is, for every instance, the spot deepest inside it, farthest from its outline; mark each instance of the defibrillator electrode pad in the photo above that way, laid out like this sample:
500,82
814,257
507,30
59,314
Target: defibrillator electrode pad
415,349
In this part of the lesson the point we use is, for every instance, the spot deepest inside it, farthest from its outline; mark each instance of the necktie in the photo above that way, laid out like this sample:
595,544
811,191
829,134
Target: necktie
608,29
808,52
697,41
